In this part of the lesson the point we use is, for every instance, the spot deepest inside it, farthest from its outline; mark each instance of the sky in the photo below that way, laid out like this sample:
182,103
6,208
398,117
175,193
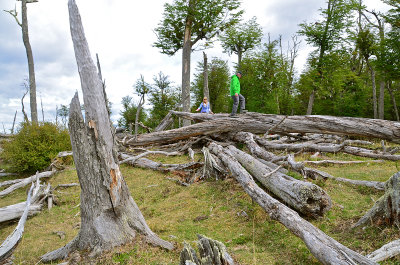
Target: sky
122,34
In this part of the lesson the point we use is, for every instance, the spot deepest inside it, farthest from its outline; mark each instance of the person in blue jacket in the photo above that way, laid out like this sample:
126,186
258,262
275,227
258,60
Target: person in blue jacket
204,106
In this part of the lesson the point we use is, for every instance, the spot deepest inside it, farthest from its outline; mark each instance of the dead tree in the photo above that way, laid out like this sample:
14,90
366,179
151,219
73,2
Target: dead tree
386,209
324,248
109,215
11,242
305,197
262,123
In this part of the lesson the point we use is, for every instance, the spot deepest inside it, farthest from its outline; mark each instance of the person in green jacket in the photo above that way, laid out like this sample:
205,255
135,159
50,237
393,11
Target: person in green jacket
236,96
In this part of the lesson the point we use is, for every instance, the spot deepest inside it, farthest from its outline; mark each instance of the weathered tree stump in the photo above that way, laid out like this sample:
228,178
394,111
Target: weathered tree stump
386,210
109,215
212,252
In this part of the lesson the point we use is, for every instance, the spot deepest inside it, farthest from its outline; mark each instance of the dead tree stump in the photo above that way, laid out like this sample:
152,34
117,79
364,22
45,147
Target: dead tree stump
212,252
386,209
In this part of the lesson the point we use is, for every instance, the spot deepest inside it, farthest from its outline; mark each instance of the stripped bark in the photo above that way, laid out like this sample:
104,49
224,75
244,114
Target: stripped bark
324,248
26,181
327,148
339,162
15,211
109,215
11,242
349,126
305,197
387,251
211,252
386,210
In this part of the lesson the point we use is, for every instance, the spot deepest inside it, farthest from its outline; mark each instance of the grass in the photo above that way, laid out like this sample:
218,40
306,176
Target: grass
218,209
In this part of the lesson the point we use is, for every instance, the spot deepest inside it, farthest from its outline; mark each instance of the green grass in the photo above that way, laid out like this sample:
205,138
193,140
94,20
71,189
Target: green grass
218,209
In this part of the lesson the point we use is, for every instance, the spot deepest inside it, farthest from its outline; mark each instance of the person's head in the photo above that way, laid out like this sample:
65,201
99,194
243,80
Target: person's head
205,99
239,74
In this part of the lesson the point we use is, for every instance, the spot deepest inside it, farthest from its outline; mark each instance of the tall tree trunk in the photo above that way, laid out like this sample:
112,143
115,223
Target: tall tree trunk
109,215
139,108
31,66
374,100
206,92
240,54
381,109
186,53
310,102
393,101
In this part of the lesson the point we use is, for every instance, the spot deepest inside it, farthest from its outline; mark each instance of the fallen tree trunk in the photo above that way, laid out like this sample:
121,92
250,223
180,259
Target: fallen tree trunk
386,210
331,148
11,242
339,162
305,197
15,211
350,126
324,248
26,181
387,251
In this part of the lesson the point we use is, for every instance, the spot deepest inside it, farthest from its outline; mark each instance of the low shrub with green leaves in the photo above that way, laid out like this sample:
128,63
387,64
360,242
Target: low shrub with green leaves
34,146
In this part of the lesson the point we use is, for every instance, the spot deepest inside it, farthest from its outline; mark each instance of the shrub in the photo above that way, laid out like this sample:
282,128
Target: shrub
34,146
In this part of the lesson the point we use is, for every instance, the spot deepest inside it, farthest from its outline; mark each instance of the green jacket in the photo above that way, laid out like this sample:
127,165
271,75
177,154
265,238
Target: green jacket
235,85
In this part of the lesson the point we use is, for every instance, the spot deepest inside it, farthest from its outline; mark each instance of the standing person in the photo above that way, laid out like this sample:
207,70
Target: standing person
236,96
205,106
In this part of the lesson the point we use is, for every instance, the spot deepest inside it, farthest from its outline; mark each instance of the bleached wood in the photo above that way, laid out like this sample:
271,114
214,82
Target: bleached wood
324,248
11,242
26,181
387,251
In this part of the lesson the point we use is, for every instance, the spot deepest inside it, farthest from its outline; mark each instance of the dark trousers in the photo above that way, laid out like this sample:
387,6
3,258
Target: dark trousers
236,100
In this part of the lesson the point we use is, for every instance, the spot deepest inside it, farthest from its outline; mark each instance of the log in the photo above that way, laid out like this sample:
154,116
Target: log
327,148
386,210
339,162
211,252
165,123
26,181
387,251
15,211
349,126
305,197
11,242
324,248
10,182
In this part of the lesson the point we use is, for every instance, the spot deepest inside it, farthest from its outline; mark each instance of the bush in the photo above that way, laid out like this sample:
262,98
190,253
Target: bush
34,146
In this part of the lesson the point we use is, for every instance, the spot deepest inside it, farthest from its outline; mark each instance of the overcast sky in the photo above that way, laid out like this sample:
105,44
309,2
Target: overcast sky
121,32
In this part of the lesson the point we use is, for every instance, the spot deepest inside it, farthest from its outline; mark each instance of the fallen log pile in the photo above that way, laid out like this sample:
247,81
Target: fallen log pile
269,157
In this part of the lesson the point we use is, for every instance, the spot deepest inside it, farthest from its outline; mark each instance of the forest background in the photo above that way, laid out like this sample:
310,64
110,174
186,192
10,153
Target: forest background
278,77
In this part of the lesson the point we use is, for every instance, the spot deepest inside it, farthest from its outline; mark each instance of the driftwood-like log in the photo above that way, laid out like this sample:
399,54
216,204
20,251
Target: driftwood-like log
211,252
11,242
324,248
387,251
386,210
15,211
165,123
350,126
26,181
327,148
305,197
339,162
10,182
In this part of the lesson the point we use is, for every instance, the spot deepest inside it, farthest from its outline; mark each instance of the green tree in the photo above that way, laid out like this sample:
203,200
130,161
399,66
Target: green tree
63,113
128,114
163,98
185,23
326,34
142,88
218,82
240,38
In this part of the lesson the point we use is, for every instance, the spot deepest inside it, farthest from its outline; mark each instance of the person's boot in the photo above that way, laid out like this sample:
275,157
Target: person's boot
243,111
233,116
